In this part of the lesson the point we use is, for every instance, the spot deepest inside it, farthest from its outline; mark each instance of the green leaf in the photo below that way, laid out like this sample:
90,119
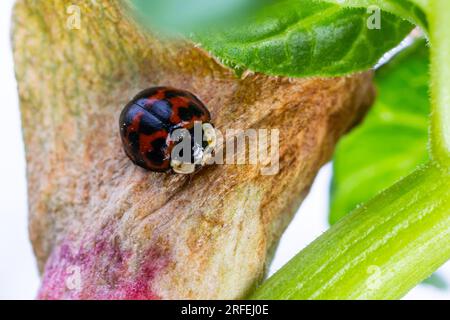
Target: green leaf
406,9
392,141
379,251
187,16
305,38
436,281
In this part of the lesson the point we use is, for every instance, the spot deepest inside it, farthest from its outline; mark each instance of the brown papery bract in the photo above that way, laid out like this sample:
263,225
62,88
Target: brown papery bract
102,227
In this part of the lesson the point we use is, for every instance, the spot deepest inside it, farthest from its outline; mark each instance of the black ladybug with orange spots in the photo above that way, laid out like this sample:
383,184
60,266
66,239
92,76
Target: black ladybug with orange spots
148,120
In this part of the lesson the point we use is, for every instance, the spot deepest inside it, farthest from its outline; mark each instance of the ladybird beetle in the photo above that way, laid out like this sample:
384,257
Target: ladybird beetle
147,124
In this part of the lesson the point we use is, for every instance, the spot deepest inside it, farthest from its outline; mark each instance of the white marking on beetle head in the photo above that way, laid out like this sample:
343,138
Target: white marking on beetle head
182,167
211,138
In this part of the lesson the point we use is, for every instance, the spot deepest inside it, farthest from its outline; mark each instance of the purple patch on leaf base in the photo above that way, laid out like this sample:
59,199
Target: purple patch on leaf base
99,269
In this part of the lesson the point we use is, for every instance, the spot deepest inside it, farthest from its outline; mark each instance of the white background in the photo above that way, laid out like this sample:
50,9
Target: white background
18,274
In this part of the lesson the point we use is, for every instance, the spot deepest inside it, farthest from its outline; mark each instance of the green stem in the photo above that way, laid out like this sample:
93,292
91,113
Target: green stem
439,19
379,251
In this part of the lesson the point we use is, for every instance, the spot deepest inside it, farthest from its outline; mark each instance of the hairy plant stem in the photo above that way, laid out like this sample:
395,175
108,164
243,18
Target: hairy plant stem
379,251
439,17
